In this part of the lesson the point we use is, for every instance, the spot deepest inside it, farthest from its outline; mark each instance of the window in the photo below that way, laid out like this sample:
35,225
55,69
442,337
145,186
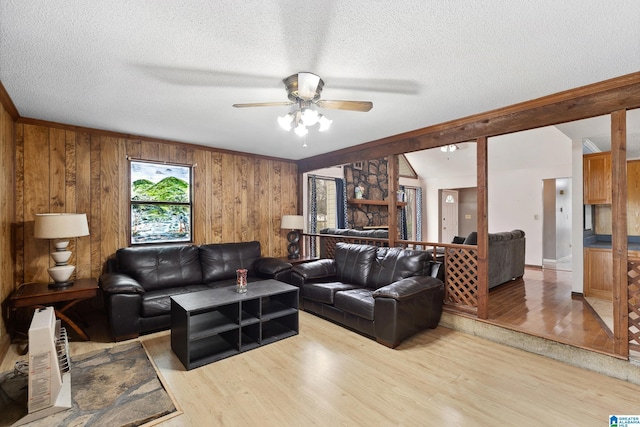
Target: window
326,203
161,200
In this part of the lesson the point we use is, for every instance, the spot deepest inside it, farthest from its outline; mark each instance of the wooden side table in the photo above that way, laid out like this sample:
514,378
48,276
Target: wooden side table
38,295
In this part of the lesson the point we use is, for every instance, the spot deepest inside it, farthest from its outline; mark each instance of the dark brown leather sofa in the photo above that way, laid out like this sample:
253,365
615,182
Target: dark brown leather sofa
141,280
384,293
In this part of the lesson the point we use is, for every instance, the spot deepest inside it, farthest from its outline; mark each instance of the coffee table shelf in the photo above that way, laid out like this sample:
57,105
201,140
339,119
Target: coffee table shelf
210,325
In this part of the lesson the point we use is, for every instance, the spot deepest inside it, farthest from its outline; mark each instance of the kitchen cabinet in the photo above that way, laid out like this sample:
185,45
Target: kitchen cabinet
633,198
597,178
598,273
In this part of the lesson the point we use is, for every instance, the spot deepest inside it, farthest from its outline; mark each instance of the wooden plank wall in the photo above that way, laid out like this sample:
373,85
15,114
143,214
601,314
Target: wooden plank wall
7,216
237,197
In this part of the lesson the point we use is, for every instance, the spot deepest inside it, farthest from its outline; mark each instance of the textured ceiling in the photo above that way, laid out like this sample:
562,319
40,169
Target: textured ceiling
172,69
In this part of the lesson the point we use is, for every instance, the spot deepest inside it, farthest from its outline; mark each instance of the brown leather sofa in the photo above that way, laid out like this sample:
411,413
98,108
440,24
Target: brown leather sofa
384,293
141,280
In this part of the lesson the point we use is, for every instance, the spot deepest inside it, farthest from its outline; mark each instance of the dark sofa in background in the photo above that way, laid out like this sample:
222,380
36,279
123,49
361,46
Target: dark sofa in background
384,293
140,280
506,255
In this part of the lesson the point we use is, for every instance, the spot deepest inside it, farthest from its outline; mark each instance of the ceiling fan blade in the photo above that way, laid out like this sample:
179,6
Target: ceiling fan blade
363,106
264,104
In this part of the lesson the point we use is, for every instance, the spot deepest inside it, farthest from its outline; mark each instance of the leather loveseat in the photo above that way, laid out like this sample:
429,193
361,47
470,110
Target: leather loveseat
141,280
384,293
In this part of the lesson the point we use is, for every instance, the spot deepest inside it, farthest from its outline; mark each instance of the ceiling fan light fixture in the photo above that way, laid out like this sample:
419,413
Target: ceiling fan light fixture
325,123
309,116
449,148
303,91
285,121
301,130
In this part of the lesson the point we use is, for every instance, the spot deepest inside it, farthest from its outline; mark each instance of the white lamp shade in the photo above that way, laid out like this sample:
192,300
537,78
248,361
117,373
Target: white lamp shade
60,225
292,222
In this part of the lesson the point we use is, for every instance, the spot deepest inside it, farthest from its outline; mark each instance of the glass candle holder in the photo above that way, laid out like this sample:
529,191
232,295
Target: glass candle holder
241,281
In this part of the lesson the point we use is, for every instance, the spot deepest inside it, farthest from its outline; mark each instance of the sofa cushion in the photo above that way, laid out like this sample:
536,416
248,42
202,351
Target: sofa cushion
353,262
324,292
358,302
393,264
158,302
220,261
472,238
158,267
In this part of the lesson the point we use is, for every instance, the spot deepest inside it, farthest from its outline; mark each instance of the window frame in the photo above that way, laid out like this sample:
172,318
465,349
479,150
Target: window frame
335,204
189,204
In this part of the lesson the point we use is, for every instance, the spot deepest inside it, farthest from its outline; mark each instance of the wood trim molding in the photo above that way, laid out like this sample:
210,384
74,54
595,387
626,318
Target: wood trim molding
482,165
619,231
8,104
587,101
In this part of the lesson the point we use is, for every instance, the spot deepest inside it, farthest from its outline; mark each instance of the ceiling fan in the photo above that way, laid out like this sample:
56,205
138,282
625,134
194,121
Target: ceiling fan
303,90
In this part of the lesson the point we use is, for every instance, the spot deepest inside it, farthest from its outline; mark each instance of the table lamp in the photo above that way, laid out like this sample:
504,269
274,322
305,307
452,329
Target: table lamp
60,227
293,223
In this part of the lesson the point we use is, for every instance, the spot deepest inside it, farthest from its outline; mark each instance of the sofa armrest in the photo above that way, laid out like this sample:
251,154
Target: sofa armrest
270,267
408,287
118,283
320,269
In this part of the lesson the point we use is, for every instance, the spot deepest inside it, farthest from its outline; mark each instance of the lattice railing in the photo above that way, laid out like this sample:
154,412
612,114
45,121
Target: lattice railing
461,278
328,243
633,294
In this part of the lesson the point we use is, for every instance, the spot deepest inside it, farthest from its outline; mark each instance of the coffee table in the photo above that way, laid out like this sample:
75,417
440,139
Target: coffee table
210,325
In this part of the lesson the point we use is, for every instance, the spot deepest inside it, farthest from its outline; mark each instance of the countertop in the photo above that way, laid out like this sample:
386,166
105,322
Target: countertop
603,241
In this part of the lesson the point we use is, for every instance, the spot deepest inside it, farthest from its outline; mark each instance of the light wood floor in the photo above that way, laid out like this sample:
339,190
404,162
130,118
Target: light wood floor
330,376
541,304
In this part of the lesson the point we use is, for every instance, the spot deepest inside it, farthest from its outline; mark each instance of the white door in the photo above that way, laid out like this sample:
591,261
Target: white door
449,215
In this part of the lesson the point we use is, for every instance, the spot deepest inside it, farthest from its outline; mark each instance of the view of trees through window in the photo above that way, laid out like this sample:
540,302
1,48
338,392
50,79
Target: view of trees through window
326,203
160,203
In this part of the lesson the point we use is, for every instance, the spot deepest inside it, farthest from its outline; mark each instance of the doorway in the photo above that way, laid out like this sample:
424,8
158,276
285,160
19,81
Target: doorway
448,215
556,224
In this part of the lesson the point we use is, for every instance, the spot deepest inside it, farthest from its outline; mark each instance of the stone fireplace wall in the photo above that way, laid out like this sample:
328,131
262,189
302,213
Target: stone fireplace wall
373,177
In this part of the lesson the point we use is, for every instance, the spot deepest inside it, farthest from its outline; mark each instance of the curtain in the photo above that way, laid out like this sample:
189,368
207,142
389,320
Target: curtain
313,214
403,219
418,218
341,202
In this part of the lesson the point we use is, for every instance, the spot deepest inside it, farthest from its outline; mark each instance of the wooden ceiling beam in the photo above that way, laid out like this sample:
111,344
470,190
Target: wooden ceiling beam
584,102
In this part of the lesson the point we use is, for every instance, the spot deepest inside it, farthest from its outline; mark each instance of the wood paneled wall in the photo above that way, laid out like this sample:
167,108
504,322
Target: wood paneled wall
7,216
237,197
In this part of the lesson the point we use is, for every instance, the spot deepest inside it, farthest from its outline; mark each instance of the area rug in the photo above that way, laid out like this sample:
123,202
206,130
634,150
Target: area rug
118,386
